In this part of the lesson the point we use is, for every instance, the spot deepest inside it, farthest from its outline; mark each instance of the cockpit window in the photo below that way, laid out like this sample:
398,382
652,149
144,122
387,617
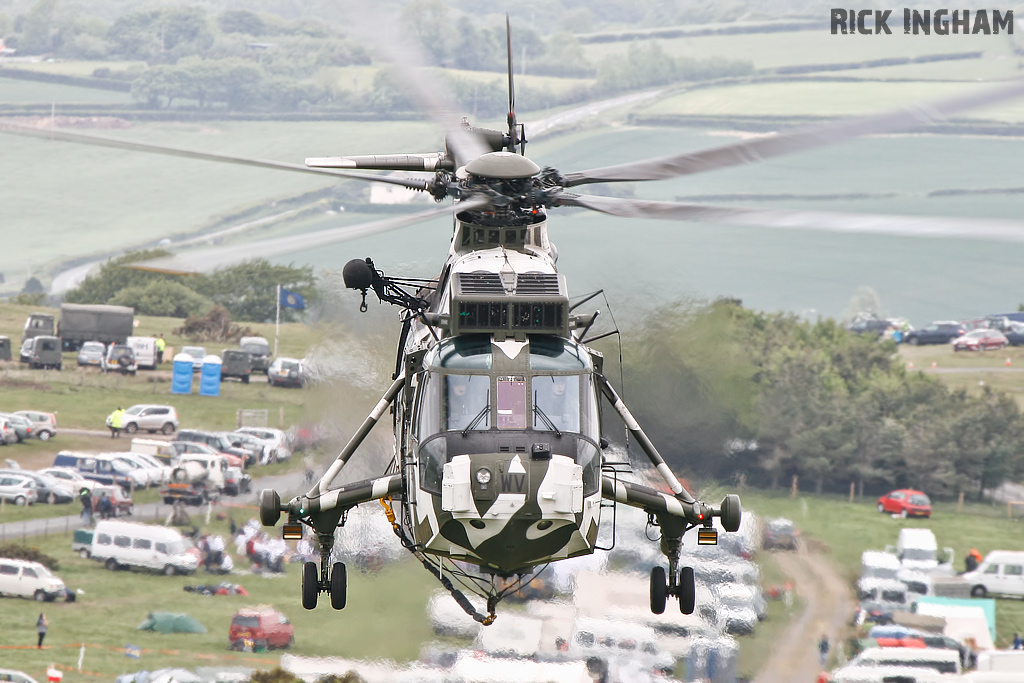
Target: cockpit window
512,402
554,353
467,401
556,400
467,352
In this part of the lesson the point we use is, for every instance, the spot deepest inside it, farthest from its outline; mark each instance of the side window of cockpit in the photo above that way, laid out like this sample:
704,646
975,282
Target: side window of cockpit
467,402
428,407
556,398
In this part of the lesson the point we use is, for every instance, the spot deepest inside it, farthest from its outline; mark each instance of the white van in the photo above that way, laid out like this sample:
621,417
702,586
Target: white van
143,546
1001,572
1002,660
145,352
876,564
885,674
918,550
934,659
619,641
21,578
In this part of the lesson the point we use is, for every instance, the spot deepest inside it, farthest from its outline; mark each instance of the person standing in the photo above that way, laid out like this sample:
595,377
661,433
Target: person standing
41,625
823,647
85,495
104,505
1018,642
160,346
114,422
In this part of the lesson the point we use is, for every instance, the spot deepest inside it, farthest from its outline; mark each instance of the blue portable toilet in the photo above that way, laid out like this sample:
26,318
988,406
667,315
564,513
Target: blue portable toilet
209,376
181,377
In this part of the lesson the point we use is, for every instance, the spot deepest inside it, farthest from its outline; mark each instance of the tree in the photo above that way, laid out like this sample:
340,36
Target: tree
38,28
170,299
241,21
113,278
249,290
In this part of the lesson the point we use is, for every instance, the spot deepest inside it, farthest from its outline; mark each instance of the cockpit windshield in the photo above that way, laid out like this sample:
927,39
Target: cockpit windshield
556,402
467,401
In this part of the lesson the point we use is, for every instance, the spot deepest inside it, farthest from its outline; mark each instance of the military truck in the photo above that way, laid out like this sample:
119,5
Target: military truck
80,323
36,325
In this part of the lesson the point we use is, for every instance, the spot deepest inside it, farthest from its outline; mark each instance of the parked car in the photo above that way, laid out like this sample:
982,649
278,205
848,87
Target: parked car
99,469
936,333
198,353
875,326
285,372
981,340
14,676
235,363
906,503
236,481
120,358
42,352
25,352
151,418
72,478
264,452
274,439
779,533
220,442
1001,572
121,502
23,429
92,354
48,489
265,627
259,349
8,434
18,489
1015,334
45,424
24,579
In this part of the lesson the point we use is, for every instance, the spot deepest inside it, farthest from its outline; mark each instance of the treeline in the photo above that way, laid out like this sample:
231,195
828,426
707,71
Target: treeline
248,291
730,393
241,60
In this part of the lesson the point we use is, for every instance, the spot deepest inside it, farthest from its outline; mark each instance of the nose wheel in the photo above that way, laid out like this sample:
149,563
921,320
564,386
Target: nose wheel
683,589
334,583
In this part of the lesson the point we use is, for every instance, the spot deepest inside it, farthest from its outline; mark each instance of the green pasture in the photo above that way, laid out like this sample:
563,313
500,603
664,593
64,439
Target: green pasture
774,50
757,648
77,67
17,91
845,530
997,66
359,79
385,617
824,98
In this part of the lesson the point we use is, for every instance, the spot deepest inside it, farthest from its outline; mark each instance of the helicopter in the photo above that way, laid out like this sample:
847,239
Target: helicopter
498,400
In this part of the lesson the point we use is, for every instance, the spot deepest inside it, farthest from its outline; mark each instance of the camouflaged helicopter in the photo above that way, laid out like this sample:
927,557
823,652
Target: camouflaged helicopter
498,400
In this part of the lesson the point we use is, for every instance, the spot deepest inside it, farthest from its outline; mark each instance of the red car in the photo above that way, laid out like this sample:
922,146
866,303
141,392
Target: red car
981,340
261,628
906,503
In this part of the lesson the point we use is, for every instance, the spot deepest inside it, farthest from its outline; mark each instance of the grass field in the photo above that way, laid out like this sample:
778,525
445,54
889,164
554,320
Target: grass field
17,91
76,68
817,98
385,618
773,50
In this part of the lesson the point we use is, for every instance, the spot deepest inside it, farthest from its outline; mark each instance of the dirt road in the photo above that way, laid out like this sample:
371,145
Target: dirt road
828,606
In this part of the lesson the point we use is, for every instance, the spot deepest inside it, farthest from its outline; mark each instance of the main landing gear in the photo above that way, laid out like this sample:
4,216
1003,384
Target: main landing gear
681,588
329,579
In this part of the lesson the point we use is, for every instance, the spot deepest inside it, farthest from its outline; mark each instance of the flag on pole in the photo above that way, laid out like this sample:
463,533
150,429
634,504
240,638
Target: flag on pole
290,299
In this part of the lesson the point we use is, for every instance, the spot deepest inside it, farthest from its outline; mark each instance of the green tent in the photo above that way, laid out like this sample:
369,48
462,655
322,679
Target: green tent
168,622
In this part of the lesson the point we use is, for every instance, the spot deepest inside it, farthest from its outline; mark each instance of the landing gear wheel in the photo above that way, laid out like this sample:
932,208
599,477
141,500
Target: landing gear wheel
310,584
687,591
339,585
659,590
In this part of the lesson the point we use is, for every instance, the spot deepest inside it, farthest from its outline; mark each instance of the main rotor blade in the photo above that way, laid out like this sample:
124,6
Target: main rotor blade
418,81
511,88
205,260
879,224
102,141
795,141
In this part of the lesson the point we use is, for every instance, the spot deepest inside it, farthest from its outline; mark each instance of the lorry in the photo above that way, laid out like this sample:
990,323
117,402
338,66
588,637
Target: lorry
196,479
37,324
80,323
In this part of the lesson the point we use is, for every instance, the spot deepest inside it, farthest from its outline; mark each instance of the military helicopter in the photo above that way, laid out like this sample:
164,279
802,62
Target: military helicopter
498,400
